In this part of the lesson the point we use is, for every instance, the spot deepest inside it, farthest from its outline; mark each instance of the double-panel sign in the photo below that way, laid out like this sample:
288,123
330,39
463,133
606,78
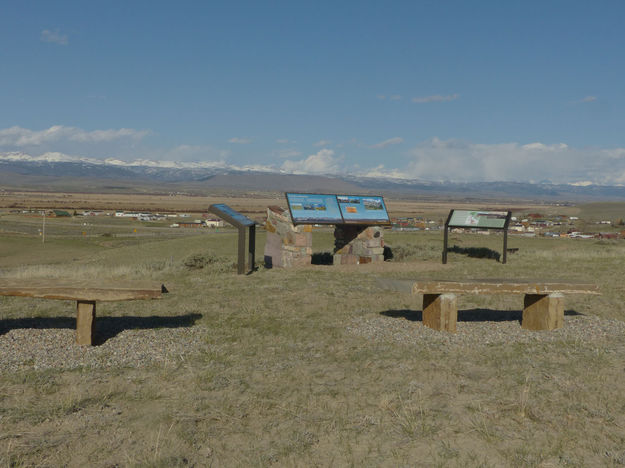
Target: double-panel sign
310,208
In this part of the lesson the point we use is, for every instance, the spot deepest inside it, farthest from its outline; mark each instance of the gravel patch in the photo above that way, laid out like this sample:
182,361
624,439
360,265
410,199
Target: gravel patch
55,348
578,329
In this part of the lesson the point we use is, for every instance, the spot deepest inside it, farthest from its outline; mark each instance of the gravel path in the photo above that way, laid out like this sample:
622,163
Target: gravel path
55,348
579,329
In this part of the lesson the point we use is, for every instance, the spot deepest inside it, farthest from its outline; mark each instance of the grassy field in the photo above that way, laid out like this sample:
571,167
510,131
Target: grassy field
288,374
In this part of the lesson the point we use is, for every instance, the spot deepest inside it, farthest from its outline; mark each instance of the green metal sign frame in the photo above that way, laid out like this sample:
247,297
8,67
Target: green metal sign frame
478,219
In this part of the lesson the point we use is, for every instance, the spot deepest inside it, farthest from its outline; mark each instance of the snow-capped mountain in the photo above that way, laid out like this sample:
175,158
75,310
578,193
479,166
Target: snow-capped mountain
55,170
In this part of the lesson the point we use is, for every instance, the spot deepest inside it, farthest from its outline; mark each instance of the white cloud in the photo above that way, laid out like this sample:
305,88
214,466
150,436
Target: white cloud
534,162
282,141
436,98
323,143
23,137
54,37
121,142
395,97
588,99
61,157
240,141
322,162
381,97
389,142
382,171
542,147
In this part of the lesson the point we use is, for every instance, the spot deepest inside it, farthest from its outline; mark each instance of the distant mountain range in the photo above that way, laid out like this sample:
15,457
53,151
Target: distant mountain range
62,173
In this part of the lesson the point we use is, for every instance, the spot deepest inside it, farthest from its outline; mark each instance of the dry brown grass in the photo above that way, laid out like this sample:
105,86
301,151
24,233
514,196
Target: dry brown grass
280,380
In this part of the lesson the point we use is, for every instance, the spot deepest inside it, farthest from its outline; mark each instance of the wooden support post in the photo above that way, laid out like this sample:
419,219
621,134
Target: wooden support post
252,247
440,312
445,245
241,259
85,322
543,311
505,245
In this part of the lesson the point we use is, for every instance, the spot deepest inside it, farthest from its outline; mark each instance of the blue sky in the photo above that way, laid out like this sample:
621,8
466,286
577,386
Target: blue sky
489,90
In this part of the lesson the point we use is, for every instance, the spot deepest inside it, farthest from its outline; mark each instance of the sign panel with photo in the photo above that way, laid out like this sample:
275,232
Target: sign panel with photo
357,209
478,219
310,208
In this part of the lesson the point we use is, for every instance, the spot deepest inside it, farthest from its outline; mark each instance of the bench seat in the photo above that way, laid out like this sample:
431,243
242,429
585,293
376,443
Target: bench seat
543,307
85,293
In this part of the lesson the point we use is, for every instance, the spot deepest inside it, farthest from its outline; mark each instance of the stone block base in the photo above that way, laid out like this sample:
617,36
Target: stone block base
357,244
286,245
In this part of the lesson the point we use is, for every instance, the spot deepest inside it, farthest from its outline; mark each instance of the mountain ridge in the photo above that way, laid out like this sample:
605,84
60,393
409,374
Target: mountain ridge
56,171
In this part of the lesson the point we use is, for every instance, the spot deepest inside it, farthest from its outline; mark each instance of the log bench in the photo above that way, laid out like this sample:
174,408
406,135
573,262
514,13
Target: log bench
543,305
85,293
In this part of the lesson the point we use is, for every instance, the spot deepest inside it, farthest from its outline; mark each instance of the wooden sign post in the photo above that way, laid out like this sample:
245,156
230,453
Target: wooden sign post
241,223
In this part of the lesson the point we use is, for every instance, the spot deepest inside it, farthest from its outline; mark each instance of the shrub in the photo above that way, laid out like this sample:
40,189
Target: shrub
210,261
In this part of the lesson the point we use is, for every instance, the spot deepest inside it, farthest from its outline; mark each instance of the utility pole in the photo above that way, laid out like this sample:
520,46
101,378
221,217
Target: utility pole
43,229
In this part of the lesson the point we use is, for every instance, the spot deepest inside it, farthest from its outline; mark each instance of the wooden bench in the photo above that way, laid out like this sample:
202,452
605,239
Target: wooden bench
85,293
543,306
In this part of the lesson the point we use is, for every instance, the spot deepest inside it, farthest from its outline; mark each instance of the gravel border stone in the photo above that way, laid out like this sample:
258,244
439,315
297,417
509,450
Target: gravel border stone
54,348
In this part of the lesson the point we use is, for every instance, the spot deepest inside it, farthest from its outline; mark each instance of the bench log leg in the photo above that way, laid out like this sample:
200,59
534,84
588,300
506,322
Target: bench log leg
543,311
440,312
85,322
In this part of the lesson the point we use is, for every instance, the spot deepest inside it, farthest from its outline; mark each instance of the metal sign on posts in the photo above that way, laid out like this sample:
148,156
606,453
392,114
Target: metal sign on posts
319,208
241,222
466,219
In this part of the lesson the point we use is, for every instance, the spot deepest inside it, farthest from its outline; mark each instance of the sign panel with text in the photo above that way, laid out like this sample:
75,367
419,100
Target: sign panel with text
311,208
478,219
357,209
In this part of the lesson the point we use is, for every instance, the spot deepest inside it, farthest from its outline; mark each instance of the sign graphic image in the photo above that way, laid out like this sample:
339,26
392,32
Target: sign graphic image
358,209
309,208
478,219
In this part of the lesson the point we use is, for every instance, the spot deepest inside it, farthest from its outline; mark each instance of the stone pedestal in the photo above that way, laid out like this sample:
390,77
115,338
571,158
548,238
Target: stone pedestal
355,244
287,245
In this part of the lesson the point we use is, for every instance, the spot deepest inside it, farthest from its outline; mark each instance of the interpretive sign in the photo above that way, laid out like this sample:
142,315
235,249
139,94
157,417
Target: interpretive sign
241,222
235,218
312,208
315,208
358,209
477,219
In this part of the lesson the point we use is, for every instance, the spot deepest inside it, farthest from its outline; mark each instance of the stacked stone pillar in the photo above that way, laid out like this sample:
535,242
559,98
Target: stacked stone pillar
355,244
287,245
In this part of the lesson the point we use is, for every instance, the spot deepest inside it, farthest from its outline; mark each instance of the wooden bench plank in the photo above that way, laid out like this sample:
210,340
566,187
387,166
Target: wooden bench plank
81,290
488,286
543,307
85,293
